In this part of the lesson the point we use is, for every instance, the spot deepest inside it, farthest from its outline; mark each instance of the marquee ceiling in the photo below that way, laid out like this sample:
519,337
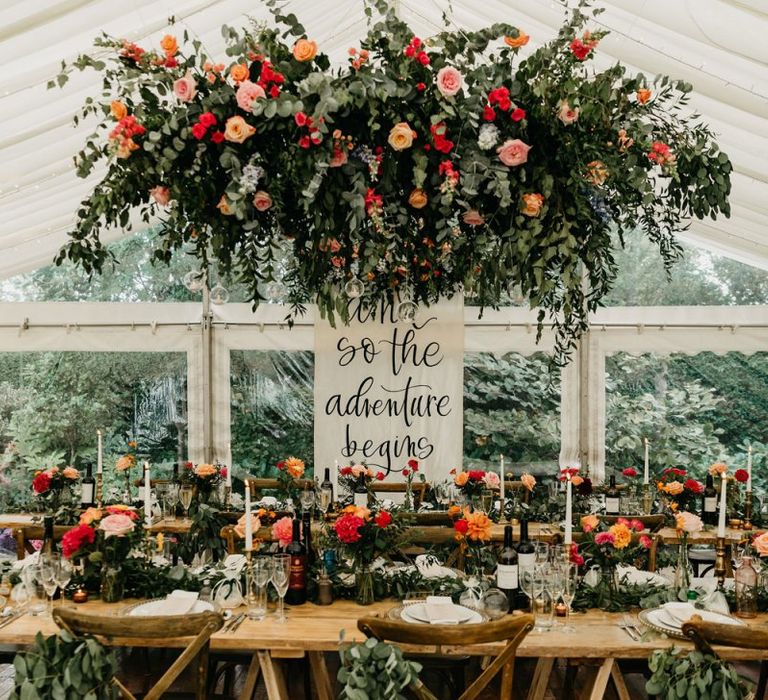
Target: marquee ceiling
717,45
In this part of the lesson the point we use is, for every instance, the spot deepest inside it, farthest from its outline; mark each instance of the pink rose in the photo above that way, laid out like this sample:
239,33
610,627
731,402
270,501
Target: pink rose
492,480
247,93
760,543
566,113
116,525
185,88
255,525
162,195
262,201
604,538
645,541
473,218
513,152
637,525
449,81
282,531
338,158
359,469
688,522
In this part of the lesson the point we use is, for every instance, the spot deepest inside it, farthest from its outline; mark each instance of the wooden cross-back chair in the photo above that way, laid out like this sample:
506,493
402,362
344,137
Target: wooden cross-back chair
511,629
198,626
24,537
418,488
706,634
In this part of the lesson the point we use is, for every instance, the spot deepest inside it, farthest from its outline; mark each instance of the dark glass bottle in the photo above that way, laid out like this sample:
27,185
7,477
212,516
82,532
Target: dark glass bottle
709,502
506,570
306,529
526,558
327,484
48,546
88,487
297,581
612,497
360,495
178,510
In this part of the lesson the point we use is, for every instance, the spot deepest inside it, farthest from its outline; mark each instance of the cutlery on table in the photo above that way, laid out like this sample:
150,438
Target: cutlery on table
240,620
628,626
7,620
229,624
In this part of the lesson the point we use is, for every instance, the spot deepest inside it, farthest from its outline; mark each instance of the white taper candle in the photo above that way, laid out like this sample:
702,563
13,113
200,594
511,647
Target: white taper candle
723,499
248,524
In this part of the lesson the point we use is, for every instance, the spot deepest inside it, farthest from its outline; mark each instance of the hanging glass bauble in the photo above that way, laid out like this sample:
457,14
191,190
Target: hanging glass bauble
194,280
219,295
354,288
515,293
406,311
275,292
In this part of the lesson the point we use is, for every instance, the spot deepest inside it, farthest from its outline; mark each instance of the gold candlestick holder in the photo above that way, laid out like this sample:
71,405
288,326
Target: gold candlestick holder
747,523
647,499
228,497
99,489
720,562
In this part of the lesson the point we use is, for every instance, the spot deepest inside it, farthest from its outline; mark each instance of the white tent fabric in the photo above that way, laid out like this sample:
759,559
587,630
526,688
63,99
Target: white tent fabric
717,45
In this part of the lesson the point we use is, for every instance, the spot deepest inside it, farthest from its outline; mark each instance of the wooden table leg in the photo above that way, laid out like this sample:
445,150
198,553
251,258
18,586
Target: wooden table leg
540,680
273,677
618,680
601,681
250,680
320,675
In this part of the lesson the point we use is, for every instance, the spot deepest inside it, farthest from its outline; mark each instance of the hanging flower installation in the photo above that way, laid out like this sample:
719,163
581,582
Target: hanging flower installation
422,169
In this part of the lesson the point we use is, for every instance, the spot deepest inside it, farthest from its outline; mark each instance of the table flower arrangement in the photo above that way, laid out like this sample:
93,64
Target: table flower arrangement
289,471
361,535
686,524
204,477
677,491
103,540
473,534
51,484
472,483
420,169
350,475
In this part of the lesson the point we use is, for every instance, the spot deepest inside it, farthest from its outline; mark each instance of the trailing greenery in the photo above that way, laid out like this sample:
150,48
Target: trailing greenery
693,676
63,667
374,670
204,534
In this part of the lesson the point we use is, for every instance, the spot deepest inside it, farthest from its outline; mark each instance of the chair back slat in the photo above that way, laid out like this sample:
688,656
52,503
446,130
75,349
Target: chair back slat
24,537
707,634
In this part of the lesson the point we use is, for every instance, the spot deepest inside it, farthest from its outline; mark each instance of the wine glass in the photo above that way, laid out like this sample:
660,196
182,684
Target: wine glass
257,600
324,497
31,578
161,491
171,499
281,570
570,584
542,552
47,576
185,496
525,581
307,499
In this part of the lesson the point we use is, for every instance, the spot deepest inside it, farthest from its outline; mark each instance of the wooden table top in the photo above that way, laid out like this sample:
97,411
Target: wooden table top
317,628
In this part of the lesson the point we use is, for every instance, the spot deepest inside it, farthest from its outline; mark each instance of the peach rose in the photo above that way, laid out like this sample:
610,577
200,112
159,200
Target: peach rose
418,198
622,535
589,523
566,113
359,469
70,473
304,50
597,172
116,525
282,531
718,468
125,462
532,203
169,45
239,72
162,195
516,42
262,200
117,109
401,136
513,152
238,130
89,515
185,88
449,81
255,525
492,480
223,206
643,95
673,488
358,511
760,543
577,480
461,478
688,522
295,467
529,481
247,94
478,526
338,158
204,470
473,218
126,147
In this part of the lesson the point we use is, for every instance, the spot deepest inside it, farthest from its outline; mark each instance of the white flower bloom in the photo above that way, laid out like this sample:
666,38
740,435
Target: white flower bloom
488,137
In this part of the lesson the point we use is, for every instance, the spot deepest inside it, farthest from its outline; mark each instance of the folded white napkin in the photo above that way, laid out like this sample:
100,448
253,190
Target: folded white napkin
440,610
267,502
429,567
235,562
633,575
179,602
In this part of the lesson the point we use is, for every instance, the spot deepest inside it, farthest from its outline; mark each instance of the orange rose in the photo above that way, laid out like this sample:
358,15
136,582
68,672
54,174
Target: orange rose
622,535
718,468
223,206
89,515
118,110
205,470
673,488
295,467
516,42
238,130
401,136
577,480
453,511
478,526
240,527
304,50
238,72
461,478
532,203
643,95
597,172
70,473
125,462
528,480
169,44
418,198
589,523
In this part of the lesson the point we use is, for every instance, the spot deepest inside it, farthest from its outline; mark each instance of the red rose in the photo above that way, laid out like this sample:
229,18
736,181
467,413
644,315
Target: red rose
281,464
416,42
406,472
379,476
410,51
304,142
576,558
217,136
345,471
383,519
517,114
171,62
461,526
413,464
207,119
422,58
347,528
274,91
199,131
637,525
579,49
300,118
76,538
630,472
489,113
223,472
694,486
188,465
675,470
476,475
505,104
42,482
421,87
741,475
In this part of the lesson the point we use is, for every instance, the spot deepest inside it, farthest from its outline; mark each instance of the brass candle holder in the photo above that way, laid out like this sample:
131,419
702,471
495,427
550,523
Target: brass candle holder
228,497
647,499
99,489
720,562
747,522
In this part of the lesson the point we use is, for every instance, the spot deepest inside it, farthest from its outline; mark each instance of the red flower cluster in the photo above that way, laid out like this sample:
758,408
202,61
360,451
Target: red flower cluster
517,114
741,475
132,51
373,202
347,528
633,524
461,526
414,50
576,558
694,486
565,472
270,80
660,153
76,538
314,137
383,519
439,139
500,97
581,48
448,169
207,120
675,470
630,472
476,475
42,482
344,471
127,128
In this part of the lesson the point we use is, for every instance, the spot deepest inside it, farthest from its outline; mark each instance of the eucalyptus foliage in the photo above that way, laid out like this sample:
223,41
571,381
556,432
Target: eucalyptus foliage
374,670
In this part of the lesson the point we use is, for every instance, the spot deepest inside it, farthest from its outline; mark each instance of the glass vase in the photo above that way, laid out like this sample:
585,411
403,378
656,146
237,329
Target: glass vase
112,583
745,583
682,568
364,586
607,587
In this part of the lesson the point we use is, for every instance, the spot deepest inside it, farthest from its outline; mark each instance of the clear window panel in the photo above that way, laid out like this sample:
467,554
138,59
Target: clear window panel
511,407
272,409
52,404
694,409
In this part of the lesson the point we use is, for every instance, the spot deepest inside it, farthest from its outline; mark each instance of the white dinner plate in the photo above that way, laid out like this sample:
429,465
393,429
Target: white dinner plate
418,611
159,607
660,620
474,618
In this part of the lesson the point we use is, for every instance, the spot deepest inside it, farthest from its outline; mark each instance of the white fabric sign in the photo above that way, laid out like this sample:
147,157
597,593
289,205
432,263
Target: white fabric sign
387,392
